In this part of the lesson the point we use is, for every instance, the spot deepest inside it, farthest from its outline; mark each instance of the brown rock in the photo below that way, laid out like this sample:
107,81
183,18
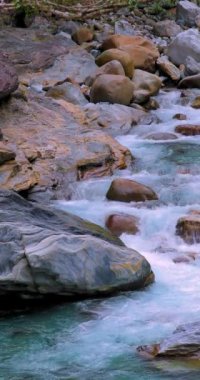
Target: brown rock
180,116
161,136
196,102
188,227
192,81
8,79
122,56
112,67
6,154
168,68
145,85
142,51
83,34
188,129
120,223
112,89
126,190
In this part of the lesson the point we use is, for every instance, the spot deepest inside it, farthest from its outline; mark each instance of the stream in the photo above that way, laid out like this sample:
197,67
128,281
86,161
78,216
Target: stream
97,339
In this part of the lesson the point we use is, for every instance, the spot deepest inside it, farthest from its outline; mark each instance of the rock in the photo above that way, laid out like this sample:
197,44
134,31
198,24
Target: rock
112,89
188,129
184,343
115,54
69,92
1,135
161,136
145,85
83,34
168,68
120,223
188,228
115,119
196,102
142,51
8,79
69,27
152,104
186,12
124,27
184,45
6,154
167,28
190,82
180,116
75,66
192,67
65,257
126,190
112,67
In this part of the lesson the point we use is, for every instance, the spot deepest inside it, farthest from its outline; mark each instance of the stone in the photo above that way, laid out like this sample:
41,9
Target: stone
188,129
180,116
152,104
126,190
6,154
66,257
184,45
69,92
143,52
167,28
168,68
112,89
122,223
186,12
190,82
188,227
124,27
161,136
183,343
115,54
192,67
145,85
196,102
8,78
1,135
113,67
82,35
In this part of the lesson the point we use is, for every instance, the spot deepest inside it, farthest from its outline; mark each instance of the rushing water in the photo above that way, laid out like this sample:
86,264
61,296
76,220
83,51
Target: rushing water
97,339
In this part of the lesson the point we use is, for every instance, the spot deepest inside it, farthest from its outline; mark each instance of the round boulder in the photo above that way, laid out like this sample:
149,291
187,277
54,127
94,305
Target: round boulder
112,67
126,190
188,227
120,223
145,85
82,35
112,89
115,54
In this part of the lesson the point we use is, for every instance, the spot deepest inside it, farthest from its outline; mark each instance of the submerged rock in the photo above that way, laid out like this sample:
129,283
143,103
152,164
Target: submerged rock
161,136
184,344
45,252
188,129
188,227
120,223
126,190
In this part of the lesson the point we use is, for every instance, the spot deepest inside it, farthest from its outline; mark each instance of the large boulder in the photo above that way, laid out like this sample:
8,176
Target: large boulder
115,54
188,227
167,28
184,343
112,89
113,67
186,12
8,78
142,51
53,253
145,85
120,223
184,45
192,81
126,190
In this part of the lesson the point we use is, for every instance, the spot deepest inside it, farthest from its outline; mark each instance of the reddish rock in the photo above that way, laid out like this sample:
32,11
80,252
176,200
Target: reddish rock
115,54
188,227
82,35
188,129
126,190
180,116
119,223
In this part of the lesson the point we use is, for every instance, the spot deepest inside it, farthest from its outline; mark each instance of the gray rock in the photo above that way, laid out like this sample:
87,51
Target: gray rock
167,28
8,79
186,13
124,27
69,92
185,44
45,252
192,81
192,67
168,68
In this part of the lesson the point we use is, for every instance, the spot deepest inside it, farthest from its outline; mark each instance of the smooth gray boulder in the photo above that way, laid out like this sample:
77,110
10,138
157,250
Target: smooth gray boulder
44,252
184,45
183,343
186,12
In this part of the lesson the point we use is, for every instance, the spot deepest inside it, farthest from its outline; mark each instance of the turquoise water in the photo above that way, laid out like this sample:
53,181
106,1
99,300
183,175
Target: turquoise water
97,339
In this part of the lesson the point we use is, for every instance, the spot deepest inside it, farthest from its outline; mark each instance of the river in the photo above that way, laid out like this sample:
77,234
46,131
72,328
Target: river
97,339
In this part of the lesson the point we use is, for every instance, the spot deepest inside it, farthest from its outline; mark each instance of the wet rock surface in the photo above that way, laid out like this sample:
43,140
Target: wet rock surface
120,223
188,227
65,256
126,190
